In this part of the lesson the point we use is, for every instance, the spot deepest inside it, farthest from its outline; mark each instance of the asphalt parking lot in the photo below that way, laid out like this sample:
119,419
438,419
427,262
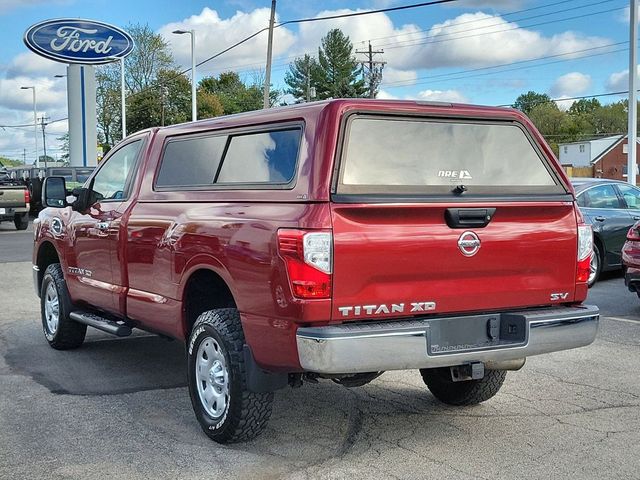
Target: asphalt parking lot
119,408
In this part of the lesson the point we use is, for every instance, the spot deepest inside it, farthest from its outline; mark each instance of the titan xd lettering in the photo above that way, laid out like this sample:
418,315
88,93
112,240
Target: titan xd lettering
83,272
384,309
69,38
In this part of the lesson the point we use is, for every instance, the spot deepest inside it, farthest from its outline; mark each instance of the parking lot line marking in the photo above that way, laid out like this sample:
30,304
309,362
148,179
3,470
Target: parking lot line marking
625,320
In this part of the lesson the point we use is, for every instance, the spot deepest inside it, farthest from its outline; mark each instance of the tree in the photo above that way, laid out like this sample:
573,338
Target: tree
166,103
299,77
150,56
64,148
236,96
108,107
209,105
612,118
528,101
584,106
143,66
338,73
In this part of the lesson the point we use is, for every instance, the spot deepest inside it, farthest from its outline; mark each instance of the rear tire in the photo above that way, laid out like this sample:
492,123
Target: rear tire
21,221
595,266
61,332
470,392
224,406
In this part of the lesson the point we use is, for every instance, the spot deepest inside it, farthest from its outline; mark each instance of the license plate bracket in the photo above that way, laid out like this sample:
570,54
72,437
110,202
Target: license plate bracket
475,333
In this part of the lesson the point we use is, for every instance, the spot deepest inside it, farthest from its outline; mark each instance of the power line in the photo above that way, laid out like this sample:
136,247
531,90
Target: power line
497,24
398,44
445,76
300,20
406,43
581,97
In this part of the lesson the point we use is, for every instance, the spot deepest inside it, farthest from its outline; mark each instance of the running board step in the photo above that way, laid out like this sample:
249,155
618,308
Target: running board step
101,323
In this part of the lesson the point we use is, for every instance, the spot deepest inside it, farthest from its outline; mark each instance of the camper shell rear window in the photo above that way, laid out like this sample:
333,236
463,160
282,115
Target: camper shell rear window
390,155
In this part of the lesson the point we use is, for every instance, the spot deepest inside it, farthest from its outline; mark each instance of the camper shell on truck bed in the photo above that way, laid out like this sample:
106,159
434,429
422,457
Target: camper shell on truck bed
335,239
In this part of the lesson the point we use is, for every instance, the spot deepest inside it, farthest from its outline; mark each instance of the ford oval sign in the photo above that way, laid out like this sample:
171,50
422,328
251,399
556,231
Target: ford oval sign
71,40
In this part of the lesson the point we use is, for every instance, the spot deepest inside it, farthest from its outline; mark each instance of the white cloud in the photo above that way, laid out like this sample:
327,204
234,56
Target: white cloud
50,93
442,96
570,84
28,63
377,27
467,40
385,95
214,33
391,75
619,81
564,103
497,4
427,95
492,41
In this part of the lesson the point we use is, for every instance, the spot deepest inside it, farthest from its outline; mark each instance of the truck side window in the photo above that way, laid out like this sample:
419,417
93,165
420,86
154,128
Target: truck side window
265,157
191,161
110,183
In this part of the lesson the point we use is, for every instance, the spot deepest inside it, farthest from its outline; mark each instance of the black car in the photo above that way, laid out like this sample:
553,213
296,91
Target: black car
612,207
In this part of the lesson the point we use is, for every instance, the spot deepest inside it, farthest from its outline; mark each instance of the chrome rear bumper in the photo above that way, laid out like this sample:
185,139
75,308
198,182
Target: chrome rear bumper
402,345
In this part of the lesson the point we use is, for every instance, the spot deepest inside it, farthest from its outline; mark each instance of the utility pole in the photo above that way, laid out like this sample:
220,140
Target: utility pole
633,102
373,69
24,156
308,80
43,124
267,74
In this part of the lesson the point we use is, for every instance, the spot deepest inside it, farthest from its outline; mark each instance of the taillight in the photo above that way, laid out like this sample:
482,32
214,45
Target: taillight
27,196
308,256
634,233
585,250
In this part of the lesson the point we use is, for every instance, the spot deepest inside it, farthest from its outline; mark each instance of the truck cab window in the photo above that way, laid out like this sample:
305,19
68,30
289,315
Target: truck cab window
110,183
266,157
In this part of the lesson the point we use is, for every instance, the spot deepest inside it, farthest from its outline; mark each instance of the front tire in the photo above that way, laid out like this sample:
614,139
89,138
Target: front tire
61,332
21,221
469,392
224,406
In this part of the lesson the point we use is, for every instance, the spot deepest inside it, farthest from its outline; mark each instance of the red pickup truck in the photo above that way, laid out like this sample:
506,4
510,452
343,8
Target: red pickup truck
332,240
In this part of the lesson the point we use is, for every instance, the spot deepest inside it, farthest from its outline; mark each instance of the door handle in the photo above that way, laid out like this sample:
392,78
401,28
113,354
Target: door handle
636,218
600,218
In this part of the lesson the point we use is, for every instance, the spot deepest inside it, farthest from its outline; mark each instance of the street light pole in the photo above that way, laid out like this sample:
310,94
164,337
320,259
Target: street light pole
35,121
194,101
633,103
123,90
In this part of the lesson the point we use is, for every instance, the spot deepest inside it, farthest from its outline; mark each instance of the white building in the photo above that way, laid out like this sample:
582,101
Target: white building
582,154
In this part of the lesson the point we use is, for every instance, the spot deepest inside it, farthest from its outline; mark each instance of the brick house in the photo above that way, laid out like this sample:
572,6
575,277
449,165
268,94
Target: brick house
599,158
612,162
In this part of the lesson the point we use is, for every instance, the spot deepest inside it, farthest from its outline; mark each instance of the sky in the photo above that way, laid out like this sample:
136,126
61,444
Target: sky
472,51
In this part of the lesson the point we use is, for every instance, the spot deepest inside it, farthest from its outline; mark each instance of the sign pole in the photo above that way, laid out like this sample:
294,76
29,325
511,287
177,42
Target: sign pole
123,106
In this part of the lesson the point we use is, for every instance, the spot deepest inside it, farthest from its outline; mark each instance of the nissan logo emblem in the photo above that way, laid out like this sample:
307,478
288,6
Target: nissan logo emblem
469,244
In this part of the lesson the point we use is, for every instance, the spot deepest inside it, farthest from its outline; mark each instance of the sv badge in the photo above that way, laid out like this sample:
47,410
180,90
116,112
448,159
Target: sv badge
559,296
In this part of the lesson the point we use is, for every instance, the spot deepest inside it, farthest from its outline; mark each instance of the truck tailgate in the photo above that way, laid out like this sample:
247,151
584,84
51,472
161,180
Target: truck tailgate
405,259
443,215
12,197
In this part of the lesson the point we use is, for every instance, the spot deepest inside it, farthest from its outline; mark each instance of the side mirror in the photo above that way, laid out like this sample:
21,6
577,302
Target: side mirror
54,192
